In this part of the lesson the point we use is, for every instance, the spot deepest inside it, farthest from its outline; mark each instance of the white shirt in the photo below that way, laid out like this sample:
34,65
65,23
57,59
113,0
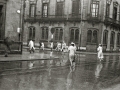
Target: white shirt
31,44
63,45
42,44
99,49
72,50
51,45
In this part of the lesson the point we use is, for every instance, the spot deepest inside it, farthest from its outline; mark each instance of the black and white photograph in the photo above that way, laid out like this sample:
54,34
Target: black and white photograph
59,44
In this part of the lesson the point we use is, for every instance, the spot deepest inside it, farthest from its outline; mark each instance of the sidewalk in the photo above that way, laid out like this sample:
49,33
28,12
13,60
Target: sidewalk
80,52
40,55
27,56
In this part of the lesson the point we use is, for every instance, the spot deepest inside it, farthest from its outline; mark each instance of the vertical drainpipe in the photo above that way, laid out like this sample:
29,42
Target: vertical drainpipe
103,24
80,24
67,22
23,12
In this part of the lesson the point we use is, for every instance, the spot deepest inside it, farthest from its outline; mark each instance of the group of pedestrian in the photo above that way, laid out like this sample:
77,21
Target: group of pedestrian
62,47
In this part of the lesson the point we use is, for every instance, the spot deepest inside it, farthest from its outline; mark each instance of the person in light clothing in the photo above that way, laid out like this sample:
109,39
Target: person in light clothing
31,46
63,46
42,46
51,46
100,53
58,48
71,50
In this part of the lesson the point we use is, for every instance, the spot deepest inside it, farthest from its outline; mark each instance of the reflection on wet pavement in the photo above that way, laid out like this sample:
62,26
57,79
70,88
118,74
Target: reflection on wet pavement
57,74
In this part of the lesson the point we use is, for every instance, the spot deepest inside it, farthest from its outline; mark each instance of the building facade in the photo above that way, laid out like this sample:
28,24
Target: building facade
84,22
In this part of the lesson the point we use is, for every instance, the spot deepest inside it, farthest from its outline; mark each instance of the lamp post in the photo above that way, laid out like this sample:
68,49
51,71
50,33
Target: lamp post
20,29
22,25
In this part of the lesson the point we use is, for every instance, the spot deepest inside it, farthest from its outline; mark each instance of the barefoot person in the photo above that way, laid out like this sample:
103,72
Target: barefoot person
71,50
100,53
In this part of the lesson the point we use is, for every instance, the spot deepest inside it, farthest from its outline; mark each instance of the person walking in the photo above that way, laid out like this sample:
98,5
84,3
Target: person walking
72,50
100,53
51,46
42,46
63,46
7,42
31,46
58,48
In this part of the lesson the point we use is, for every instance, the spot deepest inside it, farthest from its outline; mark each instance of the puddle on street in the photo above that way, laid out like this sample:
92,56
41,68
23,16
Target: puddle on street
56,74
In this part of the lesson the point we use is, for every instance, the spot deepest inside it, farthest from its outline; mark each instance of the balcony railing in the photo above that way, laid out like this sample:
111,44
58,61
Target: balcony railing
73,17
92,19
111,21
53,18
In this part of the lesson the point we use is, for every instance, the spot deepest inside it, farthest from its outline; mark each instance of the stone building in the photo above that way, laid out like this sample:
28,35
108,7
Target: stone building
9,18
84,22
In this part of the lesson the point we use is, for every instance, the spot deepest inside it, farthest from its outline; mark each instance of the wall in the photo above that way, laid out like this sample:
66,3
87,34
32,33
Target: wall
12,19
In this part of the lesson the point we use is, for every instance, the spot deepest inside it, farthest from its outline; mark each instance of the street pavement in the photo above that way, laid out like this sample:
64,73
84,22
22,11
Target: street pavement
26,55
39,71
41,55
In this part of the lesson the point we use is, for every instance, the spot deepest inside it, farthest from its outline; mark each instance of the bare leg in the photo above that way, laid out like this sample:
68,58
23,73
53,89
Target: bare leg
70,60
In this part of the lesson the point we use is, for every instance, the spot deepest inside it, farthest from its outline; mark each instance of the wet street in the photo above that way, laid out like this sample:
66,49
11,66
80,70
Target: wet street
56,73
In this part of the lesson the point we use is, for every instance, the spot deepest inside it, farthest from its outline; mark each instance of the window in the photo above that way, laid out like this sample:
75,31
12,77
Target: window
94,39
107,10
119,13
1,21
60,0
115,4
32,10
44,33
114,13
59,8
58,34
118,39
61,34
75,7
45,10
74,35
32,33
112,38
95,8
92,36
108,2
45,1
89,36
105,37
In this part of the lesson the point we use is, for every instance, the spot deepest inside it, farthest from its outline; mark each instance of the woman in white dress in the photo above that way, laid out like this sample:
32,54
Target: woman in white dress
100,53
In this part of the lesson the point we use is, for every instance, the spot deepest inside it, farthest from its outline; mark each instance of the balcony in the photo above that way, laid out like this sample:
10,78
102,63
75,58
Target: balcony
53,18
74,18
112,22
49,18
94,19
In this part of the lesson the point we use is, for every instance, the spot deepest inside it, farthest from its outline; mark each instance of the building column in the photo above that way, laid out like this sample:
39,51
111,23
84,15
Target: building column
115,42
113,63
108,43
102,37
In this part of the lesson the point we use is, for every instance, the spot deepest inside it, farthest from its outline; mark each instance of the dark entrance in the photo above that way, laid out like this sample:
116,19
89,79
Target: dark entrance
1,21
